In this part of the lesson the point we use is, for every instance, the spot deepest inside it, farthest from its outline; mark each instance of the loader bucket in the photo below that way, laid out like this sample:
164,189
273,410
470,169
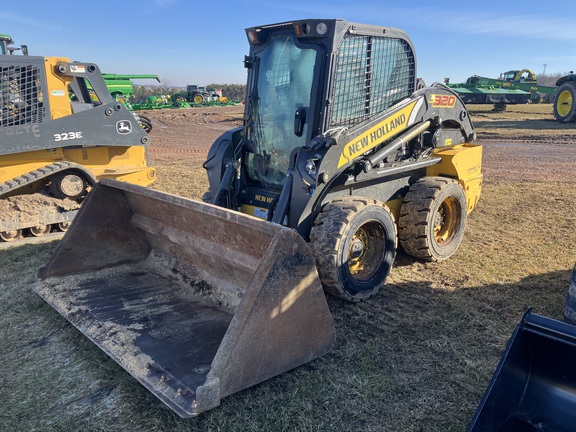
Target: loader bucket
534,386
196,302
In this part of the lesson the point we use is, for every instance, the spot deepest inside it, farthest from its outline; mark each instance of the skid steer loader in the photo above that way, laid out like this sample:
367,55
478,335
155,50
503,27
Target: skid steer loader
60,131
342,156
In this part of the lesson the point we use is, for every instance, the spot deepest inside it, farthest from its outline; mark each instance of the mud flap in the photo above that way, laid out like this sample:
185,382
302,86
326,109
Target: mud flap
534,386
195,301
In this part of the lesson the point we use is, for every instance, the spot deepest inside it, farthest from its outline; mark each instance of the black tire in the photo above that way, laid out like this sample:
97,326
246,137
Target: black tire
208,197
354,243
570,310
145,123
565,103
198,98
433,218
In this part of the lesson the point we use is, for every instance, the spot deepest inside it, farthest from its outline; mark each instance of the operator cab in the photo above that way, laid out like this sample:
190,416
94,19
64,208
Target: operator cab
306,80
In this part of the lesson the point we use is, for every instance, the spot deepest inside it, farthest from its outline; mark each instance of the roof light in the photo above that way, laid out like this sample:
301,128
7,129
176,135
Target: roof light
253,37
321,29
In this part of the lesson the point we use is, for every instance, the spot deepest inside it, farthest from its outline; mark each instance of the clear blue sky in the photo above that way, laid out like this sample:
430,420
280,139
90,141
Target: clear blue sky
203,42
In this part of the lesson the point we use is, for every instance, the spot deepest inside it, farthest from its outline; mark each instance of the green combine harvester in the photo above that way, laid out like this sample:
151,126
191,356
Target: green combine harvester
121,86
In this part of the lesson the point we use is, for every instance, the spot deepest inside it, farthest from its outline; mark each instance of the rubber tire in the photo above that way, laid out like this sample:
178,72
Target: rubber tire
427,200
570,310
145,123
198,99
331,238
570,116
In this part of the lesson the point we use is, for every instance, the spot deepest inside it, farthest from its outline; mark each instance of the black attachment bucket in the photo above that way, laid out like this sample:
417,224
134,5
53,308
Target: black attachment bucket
195,301
534,386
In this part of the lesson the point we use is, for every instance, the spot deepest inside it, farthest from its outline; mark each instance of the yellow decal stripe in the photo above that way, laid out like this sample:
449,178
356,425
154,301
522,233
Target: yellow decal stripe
384,130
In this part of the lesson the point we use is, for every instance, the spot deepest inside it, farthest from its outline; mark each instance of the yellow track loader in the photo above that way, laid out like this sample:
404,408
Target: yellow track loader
340,159
60,131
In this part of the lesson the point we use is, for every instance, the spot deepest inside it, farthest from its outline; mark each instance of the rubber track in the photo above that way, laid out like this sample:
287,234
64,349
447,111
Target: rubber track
39,174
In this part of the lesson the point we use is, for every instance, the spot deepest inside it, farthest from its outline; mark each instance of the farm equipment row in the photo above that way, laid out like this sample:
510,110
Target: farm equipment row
520,87
341,158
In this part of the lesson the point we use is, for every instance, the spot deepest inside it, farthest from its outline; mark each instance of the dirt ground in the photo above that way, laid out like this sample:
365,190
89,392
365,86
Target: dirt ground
539,148
189,133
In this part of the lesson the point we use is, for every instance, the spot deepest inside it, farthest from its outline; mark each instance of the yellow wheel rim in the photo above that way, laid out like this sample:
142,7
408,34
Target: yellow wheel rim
564,103
366,251
446,221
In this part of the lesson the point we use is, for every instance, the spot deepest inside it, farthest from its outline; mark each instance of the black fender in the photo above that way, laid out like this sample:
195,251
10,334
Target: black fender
222,151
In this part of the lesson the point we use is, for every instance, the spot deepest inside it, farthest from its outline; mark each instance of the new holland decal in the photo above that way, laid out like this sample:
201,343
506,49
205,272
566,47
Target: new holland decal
387,128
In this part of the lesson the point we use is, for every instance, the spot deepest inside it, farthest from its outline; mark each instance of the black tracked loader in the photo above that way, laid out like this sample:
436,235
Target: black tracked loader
60,132
341,158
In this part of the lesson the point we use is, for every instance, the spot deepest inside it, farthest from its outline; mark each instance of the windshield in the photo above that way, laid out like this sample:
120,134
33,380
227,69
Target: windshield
283,84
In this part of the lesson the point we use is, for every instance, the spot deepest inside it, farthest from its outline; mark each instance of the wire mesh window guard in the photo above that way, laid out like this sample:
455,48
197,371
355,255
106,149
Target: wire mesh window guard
372,74
21,97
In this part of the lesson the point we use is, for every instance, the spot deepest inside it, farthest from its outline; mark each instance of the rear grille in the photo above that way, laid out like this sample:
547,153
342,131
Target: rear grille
372,74
21,96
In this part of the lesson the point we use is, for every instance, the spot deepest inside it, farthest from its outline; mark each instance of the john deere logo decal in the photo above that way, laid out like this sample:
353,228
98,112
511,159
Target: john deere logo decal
123,127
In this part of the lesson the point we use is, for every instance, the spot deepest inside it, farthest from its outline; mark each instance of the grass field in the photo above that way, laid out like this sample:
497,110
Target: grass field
416,357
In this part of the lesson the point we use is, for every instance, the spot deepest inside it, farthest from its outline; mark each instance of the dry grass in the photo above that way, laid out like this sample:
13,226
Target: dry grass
417,357
524,122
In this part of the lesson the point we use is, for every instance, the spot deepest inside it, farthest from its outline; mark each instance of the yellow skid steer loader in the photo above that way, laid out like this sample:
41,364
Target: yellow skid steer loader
341,153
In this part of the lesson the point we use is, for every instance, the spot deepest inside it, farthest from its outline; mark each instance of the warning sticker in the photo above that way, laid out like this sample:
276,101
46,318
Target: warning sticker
77,69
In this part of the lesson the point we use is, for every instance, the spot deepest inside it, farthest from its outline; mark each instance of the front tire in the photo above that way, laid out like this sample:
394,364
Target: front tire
565,103
433,218
354,243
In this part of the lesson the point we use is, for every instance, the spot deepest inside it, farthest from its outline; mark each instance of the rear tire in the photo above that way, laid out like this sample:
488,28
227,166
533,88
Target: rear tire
433,218
565,103
198,99
354,243
570,310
